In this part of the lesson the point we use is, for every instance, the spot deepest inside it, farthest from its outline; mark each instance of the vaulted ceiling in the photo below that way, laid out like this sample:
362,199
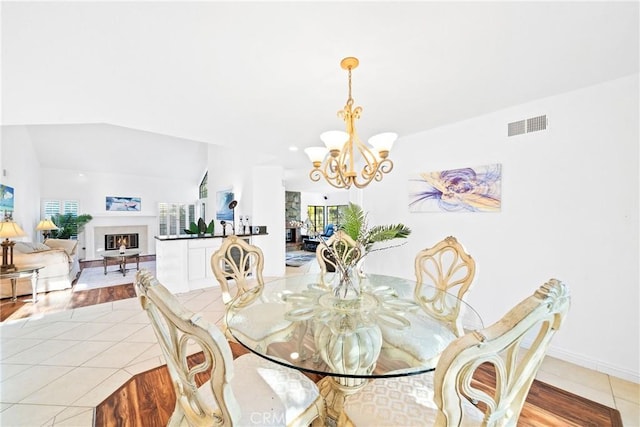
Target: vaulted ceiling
147,78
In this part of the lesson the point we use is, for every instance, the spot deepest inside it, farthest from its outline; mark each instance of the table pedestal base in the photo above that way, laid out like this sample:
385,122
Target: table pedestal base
335,391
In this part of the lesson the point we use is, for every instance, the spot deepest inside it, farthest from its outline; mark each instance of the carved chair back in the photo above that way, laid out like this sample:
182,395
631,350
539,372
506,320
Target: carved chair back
446,268
240,261
343,246
514,347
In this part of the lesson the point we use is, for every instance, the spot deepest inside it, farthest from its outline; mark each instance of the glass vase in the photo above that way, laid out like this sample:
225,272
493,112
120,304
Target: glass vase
347,282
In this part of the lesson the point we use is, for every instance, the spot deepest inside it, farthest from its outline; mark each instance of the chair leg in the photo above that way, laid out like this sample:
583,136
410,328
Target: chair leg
321,420
177,418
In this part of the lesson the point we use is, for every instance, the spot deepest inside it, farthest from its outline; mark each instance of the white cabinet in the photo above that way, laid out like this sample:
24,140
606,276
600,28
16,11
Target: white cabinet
200,252
184,263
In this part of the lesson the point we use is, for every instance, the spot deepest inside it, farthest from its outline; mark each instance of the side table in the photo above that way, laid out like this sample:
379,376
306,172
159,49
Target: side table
20,272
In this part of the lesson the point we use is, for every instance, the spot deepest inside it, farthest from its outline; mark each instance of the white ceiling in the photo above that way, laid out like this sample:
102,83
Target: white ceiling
117,78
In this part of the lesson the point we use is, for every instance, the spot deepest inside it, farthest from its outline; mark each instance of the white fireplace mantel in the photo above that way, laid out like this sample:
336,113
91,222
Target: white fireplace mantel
95,229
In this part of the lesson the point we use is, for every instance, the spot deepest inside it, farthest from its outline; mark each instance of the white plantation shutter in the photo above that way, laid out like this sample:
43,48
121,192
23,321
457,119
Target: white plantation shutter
55,207
60,207
175,217
70,207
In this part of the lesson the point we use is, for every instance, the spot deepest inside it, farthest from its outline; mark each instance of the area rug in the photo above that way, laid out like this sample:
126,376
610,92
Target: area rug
297,260
94,278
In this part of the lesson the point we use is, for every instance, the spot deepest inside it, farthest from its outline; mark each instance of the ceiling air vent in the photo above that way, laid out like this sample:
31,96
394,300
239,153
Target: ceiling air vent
533,124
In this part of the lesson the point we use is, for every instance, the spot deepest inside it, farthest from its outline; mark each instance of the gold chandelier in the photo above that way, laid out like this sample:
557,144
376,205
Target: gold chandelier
336,162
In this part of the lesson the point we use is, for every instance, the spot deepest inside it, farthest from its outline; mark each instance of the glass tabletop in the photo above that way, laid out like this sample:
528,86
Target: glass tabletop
383,332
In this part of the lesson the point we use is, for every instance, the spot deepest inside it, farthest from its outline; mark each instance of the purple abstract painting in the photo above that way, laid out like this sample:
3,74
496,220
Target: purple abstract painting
474,189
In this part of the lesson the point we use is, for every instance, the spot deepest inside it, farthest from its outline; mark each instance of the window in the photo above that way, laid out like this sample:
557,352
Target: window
54,209
57,207
316,216
335,214
203,191
173,218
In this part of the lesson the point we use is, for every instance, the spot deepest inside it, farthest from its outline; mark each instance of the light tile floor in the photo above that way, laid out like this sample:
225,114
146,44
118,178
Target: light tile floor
55,369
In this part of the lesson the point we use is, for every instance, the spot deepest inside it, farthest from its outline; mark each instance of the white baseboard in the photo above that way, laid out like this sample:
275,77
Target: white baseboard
585,362
595,365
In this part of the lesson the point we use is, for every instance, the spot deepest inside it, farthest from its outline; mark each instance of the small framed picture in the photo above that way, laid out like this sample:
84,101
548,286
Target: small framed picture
123,204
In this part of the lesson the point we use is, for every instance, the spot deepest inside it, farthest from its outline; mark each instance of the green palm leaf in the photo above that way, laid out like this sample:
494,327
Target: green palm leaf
353,221
381,233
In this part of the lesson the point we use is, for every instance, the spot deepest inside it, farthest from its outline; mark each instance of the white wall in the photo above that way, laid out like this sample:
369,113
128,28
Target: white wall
91,189
569,210
19,168
260,194
268,202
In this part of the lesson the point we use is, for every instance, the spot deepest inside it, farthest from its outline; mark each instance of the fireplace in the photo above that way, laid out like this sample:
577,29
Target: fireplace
108,238
114,241
291,235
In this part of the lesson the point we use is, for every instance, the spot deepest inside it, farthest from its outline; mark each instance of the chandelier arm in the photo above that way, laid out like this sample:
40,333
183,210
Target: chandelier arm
332,173
315,175
378,168
339,174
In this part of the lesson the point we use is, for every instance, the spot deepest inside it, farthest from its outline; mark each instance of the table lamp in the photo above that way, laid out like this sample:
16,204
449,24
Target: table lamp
46,225
9,229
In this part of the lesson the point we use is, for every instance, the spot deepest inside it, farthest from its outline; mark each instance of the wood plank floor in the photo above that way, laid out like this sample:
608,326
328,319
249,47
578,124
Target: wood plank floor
66,299
52,302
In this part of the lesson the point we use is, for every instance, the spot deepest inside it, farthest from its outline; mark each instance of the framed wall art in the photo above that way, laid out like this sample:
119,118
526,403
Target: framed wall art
471,189
6,201
128,204
223,211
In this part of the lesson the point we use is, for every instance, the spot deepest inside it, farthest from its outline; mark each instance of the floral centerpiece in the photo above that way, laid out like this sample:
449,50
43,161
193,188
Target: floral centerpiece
348,257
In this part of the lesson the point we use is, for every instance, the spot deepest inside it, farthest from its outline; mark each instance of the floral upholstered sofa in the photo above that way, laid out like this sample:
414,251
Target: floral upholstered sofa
59,258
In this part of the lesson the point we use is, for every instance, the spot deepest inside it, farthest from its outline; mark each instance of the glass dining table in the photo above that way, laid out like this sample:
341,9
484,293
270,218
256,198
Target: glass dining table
383,331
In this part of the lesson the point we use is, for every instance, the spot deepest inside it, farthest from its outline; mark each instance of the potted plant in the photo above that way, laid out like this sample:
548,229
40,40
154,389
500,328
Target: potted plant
200,228
69,225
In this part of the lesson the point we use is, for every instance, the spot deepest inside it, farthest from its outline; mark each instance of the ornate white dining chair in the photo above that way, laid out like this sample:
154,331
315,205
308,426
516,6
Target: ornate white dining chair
343,246
448,268
444,274
246,391
240,262
513,348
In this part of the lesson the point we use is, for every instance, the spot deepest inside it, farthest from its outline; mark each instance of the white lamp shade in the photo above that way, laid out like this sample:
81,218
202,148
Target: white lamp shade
45,225
316,154
383,141
334,139
10,229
